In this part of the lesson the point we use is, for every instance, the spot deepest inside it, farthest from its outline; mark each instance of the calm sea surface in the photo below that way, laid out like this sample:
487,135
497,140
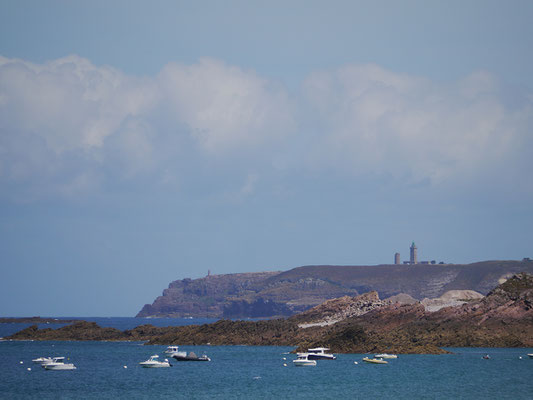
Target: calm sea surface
246,372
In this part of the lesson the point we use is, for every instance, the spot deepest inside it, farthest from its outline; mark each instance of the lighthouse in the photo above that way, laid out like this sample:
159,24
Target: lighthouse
414,258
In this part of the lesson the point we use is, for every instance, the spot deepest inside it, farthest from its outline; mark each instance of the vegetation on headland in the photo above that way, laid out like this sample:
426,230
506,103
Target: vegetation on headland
360,324
282,294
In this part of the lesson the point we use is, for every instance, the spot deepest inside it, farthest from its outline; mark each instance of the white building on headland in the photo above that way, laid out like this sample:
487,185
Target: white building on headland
414,257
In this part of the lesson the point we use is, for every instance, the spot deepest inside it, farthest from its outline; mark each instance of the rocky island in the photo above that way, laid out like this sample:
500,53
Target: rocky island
352,324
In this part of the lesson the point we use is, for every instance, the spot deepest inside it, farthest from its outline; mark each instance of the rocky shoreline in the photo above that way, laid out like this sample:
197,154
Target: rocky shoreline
359,324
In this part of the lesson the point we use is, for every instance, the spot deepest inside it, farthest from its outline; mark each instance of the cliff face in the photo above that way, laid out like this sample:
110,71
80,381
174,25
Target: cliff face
213,296
359,324
270,294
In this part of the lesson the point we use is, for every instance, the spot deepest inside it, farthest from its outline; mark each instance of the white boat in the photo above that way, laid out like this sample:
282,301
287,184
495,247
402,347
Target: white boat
58,364
319,353
42,360
303,360
174,350
375,360
530,355
152,362
385,355
183,356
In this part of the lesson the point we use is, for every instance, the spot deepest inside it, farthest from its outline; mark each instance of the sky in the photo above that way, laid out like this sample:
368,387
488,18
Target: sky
145,142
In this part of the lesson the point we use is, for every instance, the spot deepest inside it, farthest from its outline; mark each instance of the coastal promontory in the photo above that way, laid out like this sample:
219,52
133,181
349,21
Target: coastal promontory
282,294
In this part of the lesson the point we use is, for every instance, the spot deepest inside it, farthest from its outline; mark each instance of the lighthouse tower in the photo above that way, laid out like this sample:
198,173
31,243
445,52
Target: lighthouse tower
414,257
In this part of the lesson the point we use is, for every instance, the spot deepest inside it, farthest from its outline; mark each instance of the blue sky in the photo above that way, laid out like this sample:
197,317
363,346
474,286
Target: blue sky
144,142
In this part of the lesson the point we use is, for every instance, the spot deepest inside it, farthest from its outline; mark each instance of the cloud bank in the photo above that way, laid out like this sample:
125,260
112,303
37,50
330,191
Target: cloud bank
68,127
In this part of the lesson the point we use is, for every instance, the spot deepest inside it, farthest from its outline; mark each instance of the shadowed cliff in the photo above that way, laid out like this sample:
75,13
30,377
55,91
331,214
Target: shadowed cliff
281,294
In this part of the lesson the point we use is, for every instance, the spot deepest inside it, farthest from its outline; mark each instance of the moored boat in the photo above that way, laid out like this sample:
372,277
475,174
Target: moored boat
303,360
42,360
183,356
152,362
58,364
385,355
375,360
319,353
174,350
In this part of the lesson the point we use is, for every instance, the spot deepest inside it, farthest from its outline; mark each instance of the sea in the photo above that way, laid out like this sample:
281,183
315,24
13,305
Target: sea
110,370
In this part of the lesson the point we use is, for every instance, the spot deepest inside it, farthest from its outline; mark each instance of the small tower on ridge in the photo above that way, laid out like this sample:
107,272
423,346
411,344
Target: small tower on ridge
414,256
397,258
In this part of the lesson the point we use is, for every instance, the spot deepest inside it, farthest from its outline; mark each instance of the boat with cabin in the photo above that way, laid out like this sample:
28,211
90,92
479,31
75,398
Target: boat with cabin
319,353
42,360
302,360
58,364
153,362
172,350
191,356
385,355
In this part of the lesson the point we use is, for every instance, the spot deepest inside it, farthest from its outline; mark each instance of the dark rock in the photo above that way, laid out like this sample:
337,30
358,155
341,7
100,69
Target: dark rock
504,318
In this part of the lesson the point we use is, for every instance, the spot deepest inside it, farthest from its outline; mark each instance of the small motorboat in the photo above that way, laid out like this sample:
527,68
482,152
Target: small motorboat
58,364
183,356
174,350
319,353
375,360
385,355
152,362
42,360
486,357
302,360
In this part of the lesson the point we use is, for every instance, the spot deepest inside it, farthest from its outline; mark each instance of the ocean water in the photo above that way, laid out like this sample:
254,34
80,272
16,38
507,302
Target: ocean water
252,372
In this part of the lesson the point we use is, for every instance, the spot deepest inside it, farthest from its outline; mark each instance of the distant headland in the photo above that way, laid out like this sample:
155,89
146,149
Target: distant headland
285,293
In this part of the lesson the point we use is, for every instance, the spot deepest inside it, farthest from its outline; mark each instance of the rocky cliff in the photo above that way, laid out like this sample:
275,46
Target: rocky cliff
358,324
271,294
504,318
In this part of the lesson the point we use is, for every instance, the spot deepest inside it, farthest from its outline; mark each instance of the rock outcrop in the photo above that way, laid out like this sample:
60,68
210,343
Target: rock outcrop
332,311
451,298
281,294
504,318
402,298
80,330
357,324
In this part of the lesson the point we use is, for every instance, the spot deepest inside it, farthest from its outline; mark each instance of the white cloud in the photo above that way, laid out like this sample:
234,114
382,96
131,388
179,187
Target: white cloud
376,121
68,125
69,102
226,108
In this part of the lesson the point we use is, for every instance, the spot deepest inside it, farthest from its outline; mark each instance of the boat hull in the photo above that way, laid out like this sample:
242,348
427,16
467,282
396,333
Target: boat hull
304,363
321,357
57,367
190,358
152,365
374,361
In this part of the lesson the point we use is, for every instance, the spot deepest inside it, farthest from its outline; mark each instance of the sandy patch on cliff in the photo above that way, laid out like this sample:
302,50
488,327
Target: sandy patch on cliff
451,298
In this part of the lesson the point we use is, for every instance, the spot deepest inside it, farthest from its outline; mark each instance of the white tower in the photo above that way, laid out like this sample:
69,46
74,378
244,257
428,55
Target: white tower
414,257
